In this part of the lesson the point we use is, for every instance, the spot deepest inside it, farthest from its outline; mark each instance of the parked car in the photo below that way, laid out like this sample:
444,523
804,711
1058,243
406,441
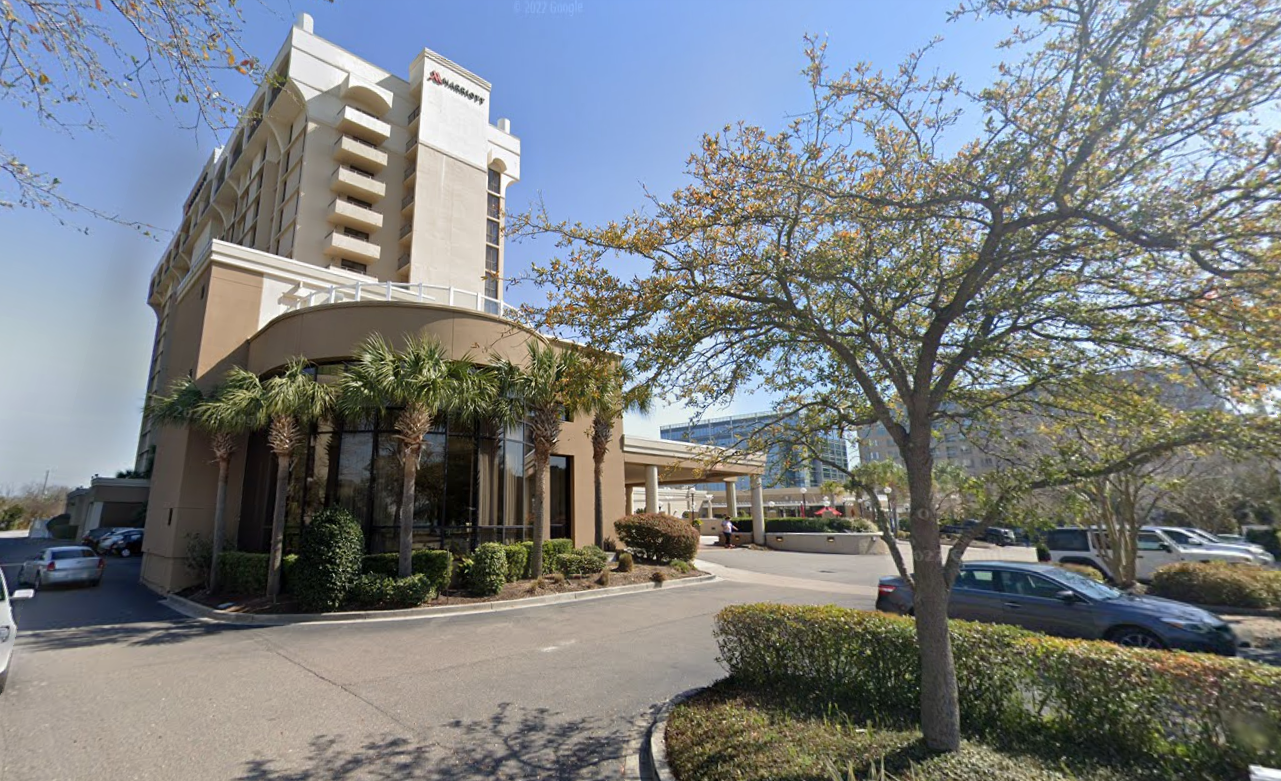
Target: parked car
1235,539
1075,545
126,543
8,626
69,564
94,537
1055,601
1192,538
999,535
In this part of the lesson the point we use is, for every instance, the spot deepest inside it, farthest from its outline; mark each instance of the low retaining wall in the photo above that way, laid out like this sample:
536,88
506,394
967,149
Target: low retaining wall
850,543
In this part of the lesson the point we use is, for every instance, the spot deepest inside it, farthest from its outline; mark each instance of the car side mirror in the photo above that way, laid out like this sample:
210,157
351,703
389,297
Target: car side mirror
22,593
1067,596
1167,547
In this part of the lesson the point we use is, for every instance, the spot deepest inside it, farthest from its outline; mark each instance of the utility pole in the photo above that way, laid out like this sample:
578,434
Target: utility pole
45,485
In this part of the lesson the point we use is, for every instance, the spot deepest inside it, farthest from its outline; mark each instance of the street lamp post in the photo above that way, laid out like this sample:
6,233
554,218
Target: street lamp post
771,508
804,509
689,500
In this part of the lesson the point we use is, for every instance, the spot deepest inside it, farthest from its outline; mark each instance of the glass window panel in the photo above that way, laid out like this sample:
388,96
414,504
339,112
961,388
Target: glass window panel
429,486
351,489
559,496
388,488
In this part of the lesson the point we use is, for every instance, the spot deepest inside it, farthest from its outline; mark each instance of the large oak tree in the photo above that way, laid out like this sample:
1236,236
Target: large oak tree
913,251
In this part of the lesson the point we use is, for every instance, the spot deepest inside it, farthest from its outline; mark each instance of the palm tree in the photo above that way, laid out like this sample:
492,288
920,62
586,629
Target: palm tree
422,383
185,406
607,399
287,404
547,390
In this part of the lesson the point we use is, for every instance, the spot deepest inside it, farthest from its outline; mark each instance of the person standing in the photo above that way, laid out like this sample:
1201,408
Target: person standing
727,528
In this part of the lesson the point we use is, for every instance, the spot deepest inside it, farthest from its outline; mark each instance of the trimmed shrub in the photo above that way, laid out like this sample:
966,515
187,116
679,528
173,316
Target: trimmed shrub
381,591
1270,539
1043,553
625,562
435,564
243,573
658,537
587,560
658,576
1196,710
1218,583
552,549
517,561
682,566
1093,573
488,571
817,525
329,559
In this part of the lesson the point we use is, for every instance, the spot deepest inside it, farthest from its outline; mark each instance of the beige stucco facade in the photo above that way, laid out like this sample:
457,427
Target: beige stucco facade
349,202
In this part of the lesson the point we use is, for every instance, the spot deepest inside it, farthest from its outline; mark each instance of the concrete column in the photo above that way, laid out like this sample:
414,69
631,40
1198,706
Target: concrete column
651,489
709,507
95,517
731,497
758,511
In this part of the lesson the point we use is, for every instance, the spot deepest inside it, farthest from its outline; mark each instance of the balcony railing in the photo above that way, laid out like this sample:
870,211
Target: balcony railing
411,142
408,292
405,229
408,199
414,114
402,262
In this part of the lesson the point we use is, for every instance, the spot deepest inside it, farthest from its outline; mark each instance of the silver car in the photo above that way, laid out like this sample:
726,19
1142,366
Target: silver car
64,565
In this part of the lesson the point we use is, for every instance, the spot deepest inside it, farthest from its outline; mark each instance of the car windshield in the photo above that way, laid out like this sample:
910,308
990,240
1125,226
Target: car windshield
1086,586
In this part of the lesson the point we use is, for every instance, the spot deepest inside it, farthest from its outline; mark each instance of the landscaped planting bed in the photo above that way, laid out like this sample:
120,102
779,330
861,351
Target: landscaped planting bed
733,732
1153,713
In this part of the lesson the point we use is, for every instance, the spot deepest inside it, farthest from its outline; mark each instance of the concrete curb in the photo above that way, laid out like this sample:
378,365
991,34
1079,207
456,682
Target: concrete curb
196,610
658,737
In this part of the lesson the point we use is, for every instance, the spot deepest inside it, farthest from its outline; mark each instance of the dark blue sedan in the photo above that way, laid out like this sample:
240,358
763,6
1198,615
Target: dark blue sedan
1053,600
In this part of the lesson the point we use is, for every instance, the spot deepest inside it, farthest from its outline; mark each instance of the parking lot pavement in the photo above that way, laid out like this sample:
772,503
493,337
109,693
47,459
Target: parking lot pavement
858,571
121,599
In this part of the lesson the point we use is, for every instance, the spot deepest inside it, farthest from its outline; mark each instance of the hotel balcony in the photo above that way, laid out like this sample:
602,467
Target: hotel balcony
402,266
407,204
347,181
354,215
360,124
338,244
407,233
414,114
411,147
350,150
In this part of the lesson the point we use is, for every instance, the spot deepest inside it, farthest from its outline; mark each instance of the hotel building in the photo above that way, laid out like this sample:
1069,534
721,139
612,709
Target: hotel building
351,201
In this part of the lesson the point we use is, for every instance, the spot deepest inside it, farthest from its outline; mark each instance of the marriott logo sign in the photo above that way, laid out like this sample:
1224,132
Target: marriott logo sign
436,78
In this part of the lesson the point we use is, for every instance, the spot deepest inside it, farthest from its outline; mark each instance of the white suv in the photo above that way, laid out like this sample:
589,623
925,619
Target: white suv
1155,550
8,628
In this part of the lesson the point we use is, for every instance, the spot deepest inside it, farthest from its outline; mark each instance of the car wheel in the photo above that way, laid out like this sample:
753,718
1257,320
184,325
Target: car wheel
125,553
1136,637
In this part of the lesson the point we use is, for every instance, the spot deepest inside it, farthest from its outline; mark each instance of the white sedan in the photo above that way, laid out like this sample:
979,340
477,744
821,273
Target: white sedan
8,627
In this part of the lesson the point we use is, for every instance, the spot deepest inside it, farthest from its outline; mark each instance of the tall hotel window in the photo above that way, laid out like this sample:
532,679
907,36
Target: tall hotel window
493,213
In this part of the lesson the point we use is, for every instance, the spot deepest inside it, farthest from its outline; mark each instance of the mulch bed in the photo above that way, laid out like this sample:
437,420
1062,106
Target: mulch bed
521,589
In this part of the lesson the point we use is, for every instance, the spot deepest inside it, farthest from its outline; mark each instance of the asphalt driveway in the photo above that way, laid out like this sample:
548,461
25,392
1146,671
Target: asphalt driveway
108,683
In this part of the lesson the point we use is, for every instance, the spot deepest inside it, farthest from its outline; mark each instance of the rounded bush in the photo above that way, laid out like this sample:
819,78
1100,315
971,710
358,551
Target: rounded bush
517,561
488,571
435,564
329,558
372,590
658,537
587,560
1093,573
1218,583
625,562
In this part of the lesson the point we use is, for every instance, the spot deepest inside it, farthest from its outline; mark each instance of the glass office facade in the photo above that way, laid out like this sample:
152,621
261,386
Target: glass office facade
785,467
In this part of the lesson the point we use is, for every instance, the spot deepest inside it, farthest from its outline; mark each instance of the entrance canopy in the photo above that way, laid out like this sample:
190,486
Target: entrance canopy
654,462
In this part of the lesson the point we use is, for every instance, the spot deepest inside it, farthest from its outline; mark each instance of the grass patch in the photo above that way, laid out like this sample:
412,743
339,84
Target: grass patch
729,732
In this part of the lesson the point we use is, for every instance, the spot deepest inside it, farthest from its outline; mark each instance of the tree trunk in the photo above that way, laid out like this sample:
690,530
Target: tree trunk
405,565
278,524
940,709
219,523
599,463
539,507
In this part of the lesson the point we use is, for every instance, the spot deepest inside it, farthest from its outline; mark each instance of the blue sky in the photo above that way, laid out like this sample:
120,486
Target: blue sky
607,98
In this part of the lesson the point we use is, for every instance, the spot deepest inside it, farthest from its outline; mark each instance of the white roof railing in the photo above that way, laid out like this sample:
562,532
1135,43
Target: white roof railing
408,292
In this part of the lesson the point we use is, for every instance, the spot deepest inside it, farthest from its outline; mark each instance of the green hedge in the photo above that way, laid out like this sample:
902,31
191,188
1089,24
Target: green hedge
1218,583
658,537
245,574
329,559
587,560
817,525
435,564
488,570
372,590
1195,710
517,561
